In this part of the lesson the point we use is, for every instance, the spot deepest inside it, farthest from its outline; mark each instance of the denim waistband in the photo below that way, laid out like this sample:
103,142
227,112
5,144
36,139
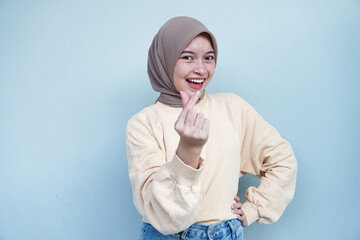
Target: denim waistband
231,227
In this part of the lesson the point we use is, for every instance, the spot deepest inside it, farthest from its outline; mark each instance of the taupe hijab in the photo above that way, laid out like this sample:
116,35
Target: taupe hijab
164,52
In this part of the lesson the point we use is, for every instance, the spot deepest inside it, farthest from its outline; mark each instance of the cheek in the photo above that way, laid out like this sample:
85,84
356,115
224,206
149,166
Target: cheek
180,70
211,69
180,73
179,84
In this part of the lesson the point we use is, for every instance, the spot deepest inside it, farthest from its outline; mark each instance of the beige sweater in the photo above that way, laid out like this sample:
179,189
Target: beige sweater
171,195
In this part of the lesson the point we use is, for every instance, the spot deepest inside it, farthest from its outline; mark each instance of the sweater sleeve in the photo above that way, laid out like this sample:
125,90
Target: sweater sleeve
268,156
167,193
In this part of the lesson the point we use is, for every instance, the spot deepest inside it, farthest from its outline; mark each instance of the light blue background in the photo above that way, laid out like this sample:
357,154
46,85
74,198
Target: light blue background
73,72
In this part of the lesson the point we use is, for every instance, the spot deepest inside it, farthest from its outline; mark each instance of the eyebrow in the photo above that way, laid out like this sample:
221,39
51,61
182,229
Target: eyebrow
191,52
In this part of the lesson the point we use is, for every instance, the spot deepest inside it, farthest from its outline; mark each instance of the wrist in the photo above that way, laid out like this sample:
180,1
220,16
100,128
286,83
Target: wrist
190,155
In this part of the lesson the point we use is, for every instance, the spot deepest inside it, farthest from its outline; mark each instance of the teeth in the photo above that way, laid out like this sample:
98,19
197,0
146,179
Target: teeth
196,80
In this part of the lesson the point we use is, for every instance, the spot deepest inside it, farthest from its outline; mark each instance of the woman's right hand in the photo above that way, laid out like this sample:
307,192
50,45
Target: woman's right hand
236,209
193,129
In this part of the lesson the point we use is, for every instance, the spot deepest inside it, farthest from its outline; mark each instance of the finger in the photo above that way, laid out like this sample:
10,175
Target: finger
243,220
193,100
206,125
237,199
237,205
182,117
244,223
188,104
199,121
179,125
190,118
184,98
238,212
241,217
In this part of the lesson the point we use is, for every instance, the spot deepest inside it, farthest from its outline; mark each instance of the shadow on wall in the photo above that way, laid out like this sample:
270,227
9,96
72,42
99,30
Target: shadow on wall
245,182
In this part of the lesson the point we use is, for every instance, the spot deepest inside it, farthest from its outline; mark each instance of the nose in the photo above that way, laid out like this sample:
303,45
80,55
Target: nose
200,67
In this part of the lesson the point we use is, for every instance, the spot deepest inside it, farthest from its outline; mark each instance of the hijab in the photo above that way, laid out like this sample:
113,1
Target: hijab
164,52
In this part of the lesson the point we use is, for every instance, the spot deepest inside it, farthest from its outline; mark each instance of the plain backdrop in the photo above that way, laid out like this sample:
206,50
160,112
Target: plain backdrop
73,72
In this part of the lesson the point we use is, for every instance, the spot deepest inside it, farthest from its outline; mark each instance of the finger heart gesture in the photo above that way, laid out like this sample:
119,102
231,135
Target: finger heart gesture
193,129
192,126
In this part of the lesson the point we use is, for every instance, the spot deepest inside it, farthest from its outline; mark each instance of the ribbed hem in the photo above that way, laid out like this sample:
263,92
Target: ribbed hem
251,212
184,174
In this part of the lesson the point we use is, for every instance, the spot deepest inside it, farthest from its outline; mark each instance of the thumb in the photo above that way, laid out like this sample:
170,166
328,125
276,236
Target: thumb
184,98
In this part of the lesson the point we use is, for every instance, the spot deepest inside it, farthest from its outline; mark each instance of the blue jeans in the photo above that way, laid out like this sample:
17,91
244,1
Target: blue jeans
228,230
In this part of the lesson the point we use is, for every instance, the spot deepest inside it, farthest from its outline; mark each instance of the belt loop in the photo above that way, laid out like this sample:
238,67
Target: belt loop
183,235
233,230
208,232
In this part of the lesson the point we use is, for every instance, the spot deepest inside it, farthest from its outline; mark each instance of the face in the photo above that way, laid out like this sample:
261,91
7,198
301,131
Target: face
195,66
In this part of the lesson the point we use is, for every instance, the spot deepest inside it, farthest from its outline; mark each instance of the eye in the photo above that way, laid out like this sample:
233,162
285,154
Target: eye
187,58
209,58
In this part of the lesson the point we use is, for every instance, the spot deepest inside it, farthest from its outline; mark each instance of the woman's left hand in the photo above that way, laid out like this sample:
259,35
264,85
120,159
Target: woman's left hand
236,209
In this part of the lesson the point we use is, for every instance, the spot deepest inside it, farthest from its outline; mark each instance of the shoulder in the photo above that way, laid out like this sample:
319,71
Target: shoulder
153,117
142,118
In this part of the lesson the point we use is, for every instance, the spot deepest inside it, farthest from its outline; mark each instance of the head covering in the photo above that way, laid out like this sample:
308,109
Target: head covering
164,52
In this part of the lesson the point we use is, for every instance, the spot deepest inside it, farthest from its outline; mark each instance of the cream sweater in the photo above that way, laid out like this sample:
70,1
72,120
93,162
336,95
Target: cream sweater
171,195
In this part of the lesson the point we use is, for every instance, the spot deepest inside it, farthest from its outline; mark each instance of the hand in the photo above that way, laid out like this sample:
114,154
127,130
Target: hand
236,208
193,129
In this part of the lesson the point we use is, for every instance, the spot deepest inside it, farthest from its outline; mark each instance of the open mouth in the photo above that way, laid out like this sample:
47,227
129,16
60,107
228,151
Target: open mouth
195,83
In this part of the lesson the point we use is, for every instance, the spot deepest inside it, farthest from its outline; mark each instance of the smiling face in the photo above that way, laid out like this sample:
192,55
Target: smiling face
195,66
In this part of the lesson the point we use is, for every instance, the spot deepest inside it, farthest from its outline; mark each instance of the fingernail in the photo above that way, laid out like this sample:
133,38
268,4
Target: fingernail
197,93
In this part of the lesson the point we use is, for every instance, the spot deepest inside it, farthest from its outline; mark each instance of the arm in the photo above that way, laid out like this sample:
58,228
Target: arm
268,156
168,194
193,129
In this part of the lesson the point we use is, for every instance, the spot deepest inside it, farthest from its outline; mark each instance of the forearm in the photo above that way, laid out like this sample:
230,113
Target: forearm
193,129
171,198
267,202
190,155
270,157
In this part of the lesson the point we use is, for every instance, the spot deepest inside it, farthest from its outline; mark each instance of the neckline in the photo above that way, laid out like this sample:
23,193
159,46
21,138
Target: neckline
179,109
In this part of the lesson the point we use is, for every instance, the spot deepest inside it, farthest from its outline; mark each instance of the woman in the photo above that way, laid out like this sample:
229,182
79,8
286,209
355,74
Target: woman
187,151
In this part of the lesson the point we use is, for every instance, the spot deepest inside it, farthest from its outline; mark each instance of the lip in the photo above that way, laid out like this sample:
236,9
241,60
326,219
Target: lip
196,86
192,78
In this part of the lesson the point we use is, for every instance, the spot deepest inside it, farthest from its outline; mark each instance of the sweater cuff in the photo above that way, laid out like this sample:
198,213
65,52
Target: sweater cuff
251,212
184,174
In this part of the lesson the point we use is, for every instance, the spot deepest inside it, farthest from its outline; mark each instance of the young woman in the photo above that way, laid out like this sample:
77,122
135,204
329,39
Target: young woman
187,151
